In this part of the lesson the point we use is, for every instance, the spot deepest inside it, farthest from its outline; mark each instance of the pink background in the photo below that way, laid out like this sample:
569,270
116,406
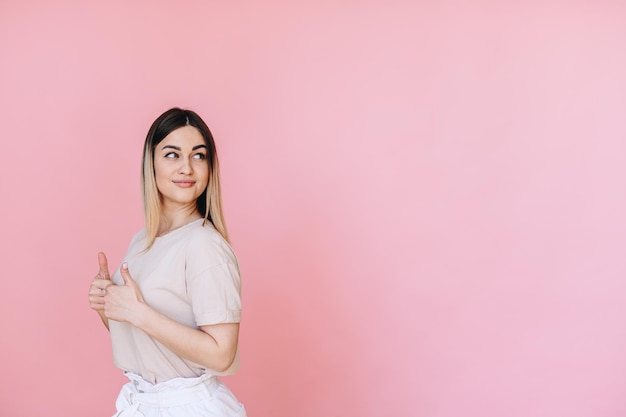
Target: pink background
428,200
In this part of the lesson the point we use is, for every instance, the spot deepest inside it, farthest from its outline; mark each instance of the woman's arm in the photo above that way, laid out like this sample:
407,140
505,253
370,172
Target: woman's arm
212,346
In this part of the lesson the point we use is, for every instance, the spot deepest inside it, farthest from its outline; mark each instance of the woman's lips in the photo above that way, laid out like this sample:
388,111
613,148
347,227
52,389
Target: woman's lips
185,183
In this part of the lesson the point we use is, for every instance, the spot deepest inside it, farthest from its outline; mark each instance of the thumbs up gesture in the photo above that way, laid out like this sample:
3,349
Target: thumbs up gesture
123,302
99,285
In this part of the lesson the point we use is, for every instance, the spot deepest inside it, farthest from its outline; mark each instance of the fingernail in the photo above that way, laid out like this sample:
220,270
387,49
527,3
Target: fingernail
125,265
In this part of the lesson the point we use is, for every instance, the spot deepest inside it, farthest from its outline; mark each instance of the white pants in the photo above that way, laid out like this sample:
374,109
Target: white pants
178,397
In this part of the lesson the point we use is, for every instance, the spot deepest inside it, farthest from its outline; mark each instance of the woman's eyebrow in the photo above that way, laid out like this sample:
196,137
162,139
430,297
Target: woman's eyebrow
178,147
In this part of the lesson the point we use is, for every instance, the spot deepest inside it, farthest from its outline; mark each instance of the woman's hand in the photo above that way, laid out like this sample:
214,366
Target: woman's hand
99,285
213,346
124,302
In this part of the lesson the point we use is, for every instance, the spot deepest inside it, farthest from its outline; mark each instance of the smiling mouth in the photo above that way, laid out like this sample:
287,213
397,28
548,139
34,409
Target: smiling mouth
184,184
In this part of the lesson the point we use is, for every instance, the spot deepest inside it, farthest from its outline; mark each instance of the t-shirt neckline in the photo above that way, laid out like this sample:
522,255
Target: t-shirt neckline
171,232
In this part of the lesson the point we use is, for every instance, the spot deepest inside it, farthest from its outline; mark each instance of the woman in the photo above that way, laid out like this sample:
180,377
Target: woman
173,307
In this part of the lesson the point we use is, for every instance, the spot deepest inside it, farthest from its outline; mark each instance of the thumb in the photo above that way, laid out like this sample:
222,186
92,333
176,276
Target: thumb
104,266
128,280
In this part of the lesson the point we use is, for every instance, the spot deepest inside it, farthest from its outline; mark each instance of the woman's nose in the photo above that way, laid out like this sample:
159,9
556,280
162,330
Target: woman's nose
185,166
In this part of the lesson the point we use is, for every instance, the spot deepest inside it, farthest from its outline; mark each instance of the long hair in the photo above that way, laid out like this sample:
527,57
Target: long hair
209,204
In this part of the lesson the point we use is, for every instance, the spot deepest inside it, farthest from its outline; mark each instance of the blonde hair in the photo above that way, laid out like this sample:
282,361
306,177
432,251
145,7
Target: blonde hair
209,204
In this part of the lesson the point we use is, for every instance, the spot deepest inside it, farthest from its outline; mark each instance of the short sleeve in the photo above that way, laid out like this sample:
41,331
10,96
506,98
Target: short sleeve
213,279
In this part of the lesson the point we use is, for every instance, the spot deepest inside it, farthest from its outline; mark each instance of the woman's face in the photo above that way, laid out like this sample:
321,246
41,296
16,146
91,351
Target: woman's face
181,167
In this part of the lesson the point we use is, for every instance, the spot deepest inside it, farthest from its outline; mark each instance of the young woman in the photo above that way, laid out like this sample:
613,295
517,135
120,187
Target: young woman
173,307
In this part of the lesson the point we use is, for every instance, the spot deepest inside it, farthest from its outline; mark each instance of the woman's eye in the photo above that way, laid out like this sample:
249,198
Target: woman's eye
199,156
171,155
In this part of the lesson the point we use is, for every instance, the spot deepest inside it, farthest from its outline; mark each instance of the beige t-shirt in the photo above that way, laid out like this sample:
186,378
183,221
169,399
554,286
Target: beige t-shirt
190,275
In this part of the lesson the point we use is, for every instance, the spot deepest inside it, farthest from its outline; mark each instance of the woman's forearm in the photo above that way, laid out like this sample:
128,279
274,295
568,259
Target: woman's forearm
213,347
104,318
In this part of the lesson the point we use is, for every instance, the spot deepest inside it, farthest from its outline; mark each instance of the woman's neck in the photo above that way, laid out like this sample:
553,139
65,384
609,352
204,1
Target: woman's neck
173,218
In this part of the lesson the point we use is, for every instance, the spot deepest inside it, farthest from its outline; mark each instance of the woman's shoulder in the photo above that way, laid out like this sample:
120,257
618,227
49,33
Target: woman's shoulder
206,241
137,242
139,236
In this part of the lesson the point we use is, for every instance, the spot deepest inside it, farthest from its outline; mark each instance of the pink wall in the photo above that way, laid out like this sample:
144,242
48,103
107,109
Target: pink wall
427,201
